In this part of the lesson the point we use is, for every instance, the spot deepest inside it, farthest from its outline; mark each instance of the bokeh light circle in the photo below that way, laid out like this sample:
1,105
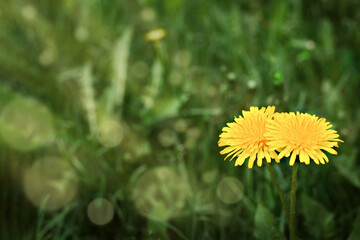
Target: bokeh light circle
160,193
181,125
100,211
81,34
111,132
28,12
26,124
182,58
140,69
50,183
148,14
230,190
167,137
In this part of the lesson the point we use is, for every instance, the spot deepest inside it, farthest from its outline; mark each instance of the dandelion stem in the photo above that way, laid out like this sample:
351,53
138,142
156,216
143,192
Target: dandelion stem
279,191
159,52
293,202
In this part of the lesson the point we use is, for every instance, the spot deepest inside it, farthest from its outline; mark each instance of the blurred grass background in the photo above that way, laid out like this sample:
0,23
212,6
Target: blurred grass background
92,110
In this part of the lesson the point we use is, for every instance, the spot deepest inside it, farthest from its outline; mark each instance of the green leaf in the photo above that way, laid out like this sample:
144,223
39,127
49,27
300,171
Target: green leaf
346,165
174,6
166,107
157,72
326,35
265,225
319,221
355,234
278,78
120,64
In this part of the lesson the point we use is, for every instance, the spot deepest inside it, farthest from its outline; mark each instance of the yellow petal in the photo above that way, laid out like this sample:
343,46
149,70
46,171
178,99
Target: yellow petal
330,150
227,150
275,156
304,157
293,157
261,154
319,156
252,160
313,157
323,155
284,152
241,159
267,156
236,153
260,157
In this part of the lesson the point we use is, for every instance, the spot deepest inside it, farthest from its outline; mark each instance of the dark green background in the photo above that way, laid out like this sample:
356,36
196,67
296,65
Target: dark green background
296,55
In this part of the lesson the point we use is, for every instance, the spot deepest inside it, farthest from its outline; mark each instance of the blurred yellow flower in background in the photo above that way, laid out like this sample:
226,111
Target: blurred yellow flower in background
245,137
301,134
155,35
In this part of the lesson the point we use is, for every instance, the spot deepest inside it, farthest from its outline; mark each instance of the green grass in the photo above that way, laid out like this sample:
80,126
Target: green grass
88,62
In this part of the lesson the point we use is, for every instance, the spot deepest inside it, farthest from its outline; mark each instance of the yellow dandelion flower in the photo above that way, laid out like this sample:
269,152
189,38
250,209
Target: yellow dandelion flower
155,35
245,137
301,134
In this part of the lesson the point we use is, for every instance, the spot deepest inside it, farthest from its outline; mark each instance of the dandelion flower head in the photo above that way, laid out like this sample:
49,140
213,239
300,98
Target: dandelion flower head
155,35
301,134
245,138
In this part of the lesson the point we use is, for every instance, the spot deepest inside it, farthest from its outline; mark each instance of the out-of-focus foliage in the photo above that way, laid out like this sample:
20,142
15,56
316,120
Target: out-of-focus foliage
115,137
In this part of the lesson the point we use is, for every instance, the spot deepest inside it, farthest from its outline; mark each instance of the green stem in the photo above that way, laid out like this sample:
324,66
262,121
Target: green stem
279,191
159,52
293,202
